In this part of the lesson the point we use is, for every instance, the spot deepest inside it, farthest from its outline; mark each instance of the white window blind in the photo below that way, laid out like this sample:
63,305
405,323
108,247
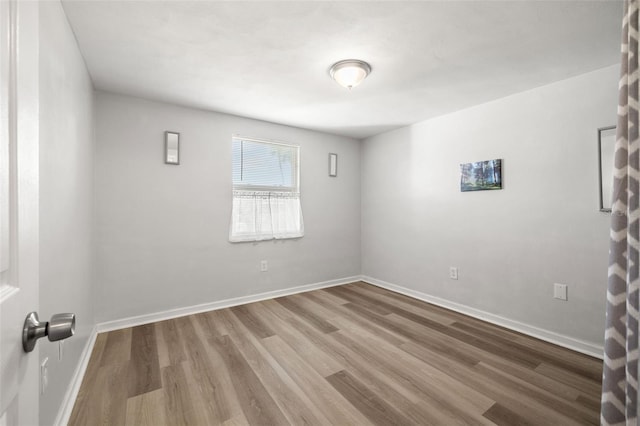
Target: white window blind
266,191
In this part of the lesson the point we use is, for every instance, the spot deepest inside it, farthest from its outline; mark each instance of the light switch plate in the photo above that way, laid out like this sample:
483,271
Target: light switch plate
453,273
560,291
44,375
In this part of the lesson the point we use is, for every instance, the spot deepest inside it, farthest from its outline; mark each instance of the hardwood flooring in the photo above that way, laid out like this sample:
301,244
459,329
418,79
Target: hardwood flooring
349,355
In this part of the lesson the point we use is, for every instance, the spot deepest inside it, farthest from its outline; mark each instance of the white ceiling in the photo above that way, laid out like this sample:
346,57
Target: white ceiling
270,60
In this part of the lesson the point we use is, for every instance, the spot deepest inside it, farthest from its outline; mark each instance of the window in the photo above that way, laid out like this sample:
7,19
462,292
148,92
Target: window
266,191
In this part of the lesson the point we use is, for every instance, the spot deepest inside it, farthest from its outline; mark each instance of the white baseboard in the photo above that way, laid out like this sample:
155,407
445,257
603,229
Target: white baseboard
565,341
577,345
66,407
219,304
64,413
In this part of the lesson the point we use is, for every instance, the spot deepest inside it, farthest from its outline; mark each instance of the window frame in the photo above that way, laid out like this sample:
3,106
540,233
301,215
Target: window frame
256,229
294,188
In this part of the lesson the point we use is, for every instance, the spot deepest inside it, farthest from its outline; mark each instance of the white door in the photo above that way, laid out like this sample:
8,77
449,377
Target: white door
19,396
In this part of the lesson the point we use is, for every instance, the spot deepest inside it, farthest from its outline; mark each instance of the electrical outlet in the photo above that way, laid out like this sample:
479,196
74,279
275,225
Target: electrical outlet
44,375
453,273
560,291
264,266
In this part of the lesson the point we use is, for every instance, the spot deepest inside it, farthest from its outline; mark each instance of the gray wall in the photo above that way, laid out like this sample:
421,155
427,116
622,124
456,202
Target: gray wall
162,231
510,245
66,197
395,213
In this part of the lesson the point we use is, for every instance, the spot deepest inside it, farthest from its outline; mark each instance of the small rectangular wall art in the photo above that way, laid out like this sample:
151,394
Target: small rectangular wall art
481,176
333,165
172,148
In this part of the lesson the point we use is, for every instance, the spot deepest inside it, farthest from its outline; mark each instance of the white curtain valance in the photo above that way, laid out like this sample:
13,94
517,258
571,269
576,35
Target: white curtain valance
265,215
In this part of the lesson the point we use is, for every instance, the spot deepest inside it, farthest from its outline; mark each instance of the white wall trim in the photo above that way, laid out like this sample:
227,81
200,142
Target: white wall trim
64,412
66,407
577,345
219,304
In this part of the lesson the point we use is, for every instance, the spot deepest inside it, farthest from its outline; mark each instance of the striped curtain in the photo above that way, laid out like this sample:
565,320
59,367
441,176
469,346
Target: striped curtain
620,379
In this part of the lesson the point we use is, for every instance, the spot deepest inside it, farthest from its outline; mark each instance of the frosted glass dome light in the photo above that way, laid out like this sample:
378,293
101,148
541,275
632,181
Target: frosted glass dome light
350,72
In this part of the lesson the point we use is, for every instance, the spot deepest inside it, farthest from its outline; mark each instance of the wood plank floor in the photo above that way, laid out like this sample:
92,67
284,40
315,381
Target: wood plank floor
354,354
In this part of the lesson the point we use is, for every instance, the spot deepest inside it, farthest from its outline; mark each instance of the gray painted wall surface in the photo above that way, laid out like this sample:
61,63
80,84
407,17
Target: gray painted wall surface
66,198
162,230
395,213
510,245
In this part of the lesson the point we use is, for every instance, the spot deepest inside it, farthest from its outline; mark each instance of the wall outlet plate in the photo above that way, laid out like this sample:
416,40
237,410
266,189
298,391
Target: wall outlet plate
264,266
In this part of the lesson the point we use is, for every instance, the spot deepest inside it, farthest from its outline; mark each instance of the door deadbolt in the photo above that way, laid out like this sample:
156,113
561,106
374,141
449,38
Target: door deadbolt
59,327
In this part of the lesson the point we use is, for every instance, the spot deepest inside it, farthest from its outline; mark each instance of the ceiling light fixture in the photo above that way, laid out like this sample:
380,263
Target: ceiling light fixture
350,72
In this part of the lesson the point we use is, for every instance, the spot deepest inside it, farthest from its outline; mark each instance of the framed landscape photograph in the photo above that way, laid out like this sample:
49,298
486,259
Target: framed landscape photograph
481,176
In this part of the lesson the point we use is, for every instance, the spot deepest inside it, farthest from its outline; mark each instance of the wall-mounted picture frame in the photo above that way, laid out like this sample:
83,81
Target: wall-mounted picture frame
333,165
172,148
606,149
481,175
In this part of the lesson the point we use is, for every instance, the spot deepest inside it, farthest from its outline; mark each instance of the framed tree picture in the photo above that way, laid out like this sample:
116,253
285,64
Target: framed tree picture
481,176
